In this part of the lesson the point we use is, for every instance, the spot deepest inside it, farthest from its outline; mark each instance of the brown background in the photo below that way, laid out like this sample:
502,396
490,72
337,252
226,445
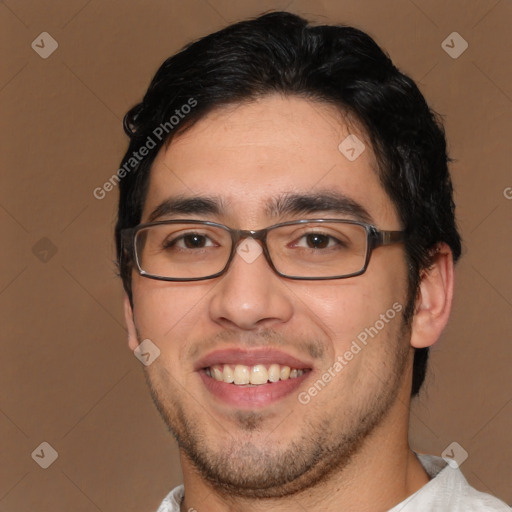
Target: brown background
67,376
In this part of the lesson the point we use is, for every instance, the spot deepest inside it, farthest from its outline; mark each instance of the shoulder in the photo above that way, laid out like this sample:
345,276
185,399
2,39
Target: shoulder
172,501
448,490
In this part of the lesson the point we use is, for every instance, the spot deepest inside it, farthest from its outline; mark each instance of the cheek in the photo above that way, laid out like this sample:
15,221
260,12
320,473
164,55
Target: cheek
337,306
167,313
346,307
349,308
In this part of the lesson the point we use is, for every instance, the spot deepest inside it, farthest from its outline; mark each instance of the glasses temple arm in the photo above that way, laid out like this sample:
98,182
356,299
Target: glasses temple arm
390,237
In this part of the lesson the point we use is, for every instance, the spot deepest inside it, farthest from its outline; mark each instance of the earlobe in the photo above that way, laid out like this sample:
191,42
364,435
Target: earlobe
133,341
434,300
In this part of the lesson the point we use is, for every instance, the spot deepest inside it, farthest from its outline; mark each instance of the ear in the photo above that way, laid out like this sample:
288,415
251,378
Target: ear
133,341
434,300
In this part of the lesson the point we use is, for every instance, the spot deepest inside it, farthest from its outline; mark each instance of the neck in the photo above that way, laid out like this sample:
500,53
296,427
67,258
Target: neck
379,476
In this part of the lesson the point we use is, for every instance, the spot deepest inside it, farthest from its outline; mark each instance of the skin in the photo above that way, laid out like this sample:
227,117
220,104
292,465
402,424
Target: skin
347,449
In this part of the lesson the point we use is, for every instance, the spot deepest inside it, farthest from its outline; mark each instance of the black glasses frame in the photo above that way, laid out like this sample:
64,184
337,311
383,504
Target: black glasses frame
374,238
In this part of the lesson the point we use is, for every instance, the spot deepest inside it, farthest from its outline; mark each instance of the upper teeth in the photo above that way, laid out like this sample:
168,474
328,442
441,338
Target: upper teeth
258,374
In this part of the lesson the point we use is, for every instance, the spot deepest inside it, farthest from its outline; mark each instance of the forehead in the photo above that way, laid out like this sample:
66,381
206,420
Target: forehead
249,156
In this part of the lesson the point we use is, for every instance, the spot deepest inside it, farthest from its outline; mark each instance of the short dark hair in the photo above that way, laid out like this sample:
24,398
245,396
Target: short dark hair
282,53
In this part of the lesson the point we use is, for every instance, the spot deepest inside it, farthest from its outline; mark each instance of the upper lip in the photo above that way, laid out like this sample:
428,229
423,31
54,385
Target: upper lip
251,357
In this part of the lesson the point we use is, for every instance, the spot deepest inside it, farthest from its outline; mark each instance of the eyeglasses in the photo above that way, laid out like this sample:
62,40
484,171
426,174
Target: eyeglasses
194,250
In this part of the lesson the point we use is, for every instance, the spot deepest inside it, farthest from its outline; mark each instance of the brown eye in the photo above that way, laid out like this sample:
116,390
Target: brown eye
317,241
188,241
194,241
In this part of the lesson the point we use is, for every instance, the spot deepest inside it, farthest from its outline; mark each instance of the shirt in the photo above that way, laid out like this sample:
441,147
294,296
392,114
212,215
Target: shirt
447,491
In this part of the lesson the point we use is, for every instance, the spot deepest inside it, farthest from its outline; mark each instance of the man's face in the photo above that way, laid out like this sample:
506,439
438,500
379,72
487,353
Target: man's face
262,440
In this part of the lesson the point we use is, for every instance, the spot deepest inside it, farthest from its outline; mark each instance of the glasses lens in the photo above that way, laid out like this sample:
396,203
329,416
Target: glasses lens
181,250
318,249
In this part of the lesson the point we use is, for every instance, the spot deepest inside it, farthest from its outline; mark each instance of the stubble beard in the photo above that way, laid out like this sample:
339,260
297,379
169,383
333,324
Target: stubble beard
246,469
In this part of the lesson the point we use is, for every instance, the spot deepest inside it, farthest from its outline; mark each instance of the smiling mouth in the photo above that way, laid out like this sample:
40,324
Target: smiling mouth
257,375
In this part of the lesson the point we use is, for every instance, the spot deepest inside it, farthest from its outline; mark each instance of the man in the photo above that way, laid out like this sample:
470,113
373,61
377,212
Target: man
286,240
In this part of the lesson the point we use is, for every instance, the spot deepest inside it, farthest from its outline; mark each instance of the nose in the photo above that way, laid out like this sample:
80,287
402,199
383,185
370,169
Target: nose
250,295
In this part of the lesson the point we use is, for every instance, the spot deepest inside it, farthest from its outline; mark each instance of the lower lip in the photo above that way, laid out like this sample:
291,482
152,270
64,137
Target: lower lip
251,397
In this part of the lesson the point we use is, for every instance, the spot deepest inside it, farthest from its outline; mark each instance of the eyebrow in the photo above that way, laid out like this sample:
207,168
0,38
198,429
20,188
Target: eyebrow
323,201
184,205
283,205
